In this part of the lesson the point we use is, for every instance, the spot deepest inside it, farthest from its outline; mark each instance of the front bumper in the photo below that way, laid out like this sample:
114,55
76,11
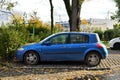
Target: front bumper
19,55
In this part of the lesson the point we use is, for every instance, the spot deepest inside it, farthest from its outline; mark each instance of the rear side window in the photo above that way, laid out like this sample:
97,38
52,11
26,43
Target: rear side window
79,38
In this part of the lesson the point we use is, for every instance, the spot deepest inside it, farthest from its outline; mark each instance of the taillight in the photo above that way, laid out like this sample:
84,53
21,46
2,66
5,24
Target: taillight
99,45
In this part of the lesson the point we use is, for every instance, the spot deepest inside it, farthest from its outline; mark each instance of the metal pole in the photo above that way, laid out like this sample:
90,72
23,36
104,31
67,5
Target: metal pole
33,35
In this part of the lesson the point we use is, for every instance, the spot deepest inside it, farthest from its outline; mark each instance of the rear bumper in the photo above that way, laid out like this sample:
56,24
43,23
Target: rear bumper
104,53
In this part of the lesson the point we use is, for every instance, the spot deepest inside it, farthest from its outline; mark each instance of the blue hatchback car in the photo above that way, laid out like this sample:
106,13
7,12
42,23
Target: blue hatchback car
65,46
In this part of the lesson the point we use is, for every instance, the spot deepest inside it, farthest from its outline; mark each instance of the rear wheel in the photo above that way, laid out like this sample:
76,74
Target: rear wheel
93,59
31,58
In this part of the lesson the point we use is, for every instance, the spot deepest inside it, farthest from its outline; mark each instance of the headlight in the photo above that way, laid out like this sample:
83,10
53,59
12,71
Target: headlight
21,49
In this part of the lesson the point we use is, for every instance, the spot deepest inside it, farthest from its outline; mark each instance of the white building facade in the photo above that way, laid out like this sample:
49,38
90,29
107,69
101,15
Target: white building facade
97,24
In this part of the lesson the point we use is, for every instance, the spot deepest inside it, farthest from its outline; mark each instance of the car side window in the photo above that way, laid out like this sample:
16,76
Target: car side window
79,38
59,39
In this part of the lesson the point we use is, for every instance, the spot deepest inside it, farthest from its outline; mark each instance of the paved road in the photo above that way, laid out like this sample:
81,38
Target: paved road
18,68
112,61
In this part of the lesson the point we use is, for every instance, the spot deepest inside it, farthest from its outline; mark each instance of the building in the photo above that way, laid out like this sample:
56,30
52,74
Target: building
91,25
97,24
102,24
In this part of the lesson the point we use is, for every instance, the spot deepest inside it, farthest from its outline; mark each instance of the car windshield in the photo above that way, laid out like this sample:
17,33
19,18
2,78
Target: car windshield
46,38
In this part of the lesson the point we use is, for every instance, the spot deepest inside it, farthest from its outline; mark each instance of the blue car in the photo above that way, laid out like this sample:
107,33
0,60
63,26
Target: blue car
65,46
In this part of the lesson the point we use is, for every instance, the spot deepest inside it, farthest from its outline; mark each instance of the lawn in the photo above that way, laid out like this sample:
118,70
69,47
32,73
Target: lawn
106,43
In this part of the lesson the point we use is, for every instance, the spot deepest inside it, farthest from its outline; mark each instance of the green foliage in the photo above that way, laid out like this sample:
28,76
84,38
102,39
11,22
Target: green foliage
10,40
43,35
58,28
116,16
108,34
116,32
111,33
100,33
13,37
116,26
40,32
106,43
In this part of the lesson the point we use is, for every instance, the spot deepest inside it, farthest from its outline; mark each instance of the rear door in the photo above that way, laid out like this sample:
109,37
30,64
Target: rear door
78,44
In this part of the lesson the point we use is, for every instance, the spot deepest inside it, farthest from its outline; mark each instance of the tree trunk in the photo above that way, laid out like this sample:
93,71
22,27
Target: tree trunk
69,11
52,19
73,13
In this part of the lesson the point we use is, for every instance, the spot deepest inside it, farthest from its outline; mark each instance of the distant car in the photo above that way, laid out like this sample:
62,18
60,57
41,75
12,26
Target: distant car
115,43
65,46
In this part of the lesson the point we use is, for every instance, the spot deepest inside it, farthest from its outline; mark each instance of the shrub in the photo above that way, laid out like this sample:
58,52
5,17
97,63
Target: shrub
116,33
40,33
100,33
111,33
10,40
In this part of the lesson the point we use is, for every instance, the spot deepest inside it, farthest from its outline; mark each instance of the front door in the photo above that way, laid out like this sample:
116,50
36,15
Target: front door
57,49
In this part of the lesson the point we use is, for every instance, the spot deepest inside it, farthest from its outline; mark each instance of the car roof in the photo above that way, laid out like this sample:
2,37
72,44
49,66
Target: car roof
76,33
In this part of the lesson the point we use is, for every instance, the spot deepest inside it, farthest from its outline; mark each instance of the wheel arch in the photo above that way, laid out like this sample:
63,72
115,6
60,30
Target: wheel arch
88,62
117,43
93,51
33,51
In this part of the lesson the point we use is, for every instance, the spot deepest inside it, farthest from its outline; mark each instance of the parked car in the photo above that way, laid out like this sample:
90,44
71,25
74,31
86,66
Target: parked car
65,46
115,43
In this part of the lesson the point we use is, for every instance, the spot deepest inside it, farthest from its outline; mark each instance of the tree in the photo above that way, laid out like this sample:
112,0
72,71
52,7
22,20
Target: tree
116,16
52,19
35,20
73,12
6,6
84,21
16,19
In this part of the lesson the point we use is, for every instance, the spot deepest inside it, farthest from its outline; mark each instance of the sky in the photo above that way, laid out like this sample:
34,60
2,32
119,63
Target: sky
90,9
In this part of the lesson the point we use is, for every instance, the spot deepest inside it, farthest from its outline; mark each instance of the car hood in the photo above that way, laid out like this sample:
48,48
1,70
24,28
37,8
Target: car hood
31,45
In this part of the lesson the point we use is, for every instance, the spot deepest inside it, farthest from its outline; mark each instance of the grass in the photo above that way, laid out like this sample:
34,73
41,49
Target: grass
106,43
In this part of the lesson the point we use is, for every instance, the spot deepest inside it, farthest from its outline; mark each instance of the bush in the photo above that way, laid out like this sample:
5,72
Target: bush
111,33
40,33
10,40
116,33
100,33
108,34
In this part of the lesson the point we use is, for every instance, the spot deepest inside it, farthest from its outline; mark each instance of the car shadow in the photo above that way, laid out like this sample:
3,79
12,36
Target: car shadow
61,63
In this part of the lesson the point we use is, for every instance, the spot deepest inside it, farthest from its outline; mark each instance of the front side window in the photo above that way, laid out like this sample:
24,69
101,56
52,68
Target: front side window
59,39
79,38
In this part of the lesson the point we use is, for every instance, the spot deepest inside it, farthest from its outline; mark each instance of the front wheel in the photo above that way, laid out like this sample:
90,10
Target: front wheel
31,58
93,59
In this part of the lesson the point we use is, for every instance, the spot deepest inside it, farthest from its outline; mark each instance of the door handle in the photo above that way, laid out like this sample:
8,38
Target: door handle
83,46
63,46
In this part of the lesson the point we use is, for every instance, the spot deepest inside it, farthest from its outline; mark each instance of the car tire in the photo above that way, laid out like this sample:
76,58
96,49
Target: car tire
116,46
31,58
111,48
93,59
